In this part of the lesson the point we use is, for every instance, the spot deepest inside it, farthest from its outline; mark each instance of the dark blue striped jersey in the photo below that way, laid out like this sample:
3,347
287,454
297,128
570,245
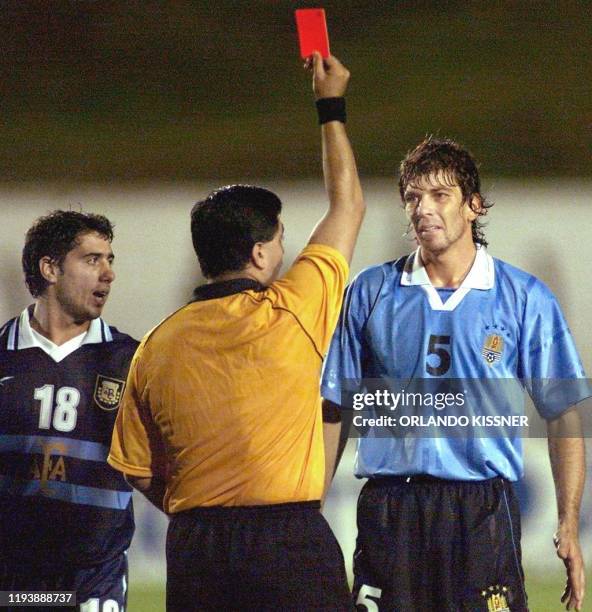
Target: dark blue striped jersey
61,504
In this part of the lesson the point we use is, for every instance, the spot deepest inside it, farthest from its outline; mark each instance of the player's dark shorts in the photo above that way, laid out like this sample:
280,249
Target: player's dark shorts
278,557
101,588
431,544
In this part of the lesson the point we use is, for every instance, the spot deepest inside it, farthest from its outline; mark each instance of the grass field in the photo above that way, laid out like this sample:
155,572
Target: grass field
543,596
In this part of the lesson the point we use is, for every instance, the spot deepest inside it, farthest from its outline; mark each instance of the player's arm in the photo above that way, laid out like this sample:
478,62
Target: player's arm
335,434
340,226
567,454
153,489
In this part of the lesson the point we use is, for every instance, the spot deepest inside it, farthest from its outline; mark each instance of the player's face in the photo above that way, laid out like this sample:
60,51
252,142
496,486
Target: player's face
440,217
275,253
83,283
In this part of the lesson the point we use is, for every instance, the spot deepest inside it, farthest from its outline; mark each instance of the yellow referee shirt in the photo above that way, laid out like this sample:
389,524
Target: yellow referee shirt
222,399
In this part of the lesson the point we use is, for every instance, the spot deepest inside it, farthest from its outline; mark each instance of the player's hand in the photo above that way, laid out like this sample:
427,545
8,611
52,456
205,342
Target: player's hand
568,549
329,76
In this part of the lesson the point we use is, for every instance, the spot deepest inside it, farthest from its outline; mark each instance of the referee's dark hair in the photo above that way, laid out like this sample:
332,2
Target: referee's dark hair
434,155
228,223
54,236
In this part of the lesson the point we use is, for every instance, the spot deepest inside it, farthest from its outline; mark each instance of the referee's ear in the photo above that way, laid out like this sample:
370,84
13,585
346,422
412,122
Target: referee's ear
258,257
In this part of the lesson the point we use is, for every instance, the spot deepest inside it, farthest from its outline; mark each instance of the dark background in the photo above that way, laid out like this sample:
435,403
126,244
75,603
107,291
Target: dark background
192,90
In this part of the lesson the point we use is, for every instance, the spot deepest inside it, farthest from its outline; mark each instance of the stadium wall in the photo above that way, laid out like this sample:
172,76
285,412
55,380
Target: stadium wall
540,226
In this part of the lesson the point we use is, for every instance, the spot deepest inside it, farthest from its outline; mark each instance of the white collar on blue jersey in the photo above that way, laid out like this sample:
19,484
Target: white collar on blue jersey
481,276
27,337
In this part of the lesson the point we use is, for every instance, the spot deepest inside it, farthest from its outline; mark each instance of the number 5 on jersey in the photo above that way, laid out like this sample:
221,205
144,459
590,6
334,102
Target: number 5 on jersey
436,347
65,411
365,596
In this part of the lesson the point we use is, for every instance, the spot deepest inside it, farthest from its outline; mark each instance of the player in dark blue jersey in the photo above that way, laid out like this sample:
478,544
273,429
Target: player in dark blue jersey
438,522
66,516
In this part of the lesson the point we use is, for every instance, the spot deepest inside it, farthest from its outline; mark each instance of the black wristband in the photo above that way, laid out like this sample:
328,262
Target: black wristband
331,109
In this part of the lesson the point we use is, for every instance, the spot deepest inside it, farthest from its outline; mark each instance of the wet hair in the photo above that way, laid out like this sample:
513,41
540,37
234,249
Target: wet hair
54,236
228,223
435,155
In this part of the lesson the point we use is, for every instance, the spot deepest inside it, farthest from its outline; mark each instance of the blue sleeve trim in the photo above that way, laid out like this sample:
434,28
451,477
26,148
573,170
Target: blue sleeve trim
68,447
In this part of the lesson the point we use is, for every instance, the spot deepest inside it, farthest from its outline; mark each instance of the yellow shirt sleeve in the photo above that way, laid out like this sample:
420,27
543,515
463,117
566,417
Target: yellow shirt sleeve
136,446
312,290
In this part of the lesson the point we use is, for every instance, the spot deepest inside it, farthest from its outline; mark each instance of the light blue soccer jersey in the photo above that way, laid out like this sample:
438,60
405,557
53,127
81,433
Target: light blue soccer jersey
501,323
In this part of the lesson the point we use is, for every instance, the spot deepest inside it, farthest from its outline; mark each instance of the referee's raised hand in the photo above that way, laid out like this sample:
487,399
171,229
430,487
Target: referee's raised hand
339,226
330,76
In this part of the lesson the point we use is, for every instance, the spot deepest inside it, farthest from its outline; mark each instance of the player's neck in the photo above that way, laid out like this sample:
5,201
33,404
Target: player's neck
51,321
449,268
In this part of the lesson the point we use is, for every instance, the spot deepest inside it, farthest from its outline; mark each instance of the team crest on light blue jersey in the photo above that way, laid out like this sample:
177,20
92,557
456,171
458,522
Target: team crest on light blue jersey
108,392
493,348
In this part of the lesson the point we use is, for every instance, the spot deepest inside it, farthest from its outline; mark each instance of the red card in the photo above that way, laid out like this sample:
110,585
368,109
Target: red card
312,32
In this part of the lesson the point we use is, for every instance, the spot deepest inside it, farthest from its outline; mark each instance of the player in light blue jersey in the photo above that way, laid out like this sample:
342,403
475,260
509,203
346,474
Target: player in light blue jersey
438,522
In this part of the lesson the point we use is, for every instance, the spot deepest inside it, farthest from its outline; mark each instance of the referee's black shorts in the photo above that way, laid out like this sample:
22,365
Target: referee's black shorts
279,557
431,544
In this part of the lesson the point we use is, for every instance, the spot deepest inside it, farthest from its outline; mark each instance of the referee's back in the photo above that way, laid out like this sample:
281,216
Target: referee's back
231,381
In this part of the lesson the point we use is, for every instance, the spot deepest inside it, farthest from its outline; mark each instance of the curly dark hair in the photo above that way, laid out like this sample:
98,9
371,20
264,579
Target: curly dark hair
54,236
434,155
228,223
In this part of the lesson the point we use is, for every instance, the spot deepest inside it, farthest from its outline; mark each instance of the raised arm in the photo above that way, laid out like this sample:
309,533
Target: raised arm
339,227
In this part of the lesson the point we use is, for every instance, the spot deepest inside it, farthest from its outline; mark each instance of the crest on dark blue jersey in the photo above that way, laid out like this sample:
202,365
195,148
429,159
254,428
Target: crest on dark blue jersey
108,392
496,598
